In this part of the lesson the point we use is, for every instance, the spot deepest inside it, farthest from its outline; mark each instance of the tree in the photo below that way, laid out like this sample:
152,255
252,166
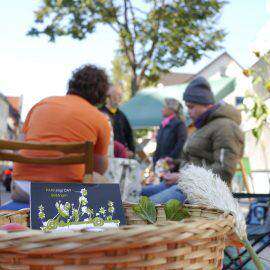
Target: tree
154,35
121,75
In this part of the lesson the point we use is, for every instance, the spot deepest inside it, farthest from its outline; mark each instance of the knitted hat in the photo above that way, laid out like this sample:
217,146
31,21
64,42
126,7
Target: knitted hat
199,91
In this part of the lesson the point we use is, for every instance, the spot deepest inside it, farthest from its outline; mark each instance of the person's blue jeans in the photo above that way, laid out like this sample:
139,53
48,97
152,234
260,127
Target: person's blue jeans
162,193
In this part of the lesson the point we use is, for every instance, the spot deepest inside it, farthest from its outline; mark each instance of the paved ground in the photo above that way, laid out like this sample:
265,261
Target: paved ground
265,255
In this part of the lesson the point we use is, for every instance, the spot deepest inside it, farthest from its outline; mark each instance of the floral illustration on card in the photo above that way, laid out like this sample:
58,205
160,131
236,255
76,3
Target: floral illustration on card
78,216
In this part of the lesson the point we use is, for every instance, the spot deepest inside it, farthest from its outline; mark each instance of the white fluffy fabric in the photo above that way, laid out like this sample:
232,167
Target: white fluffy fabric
202,187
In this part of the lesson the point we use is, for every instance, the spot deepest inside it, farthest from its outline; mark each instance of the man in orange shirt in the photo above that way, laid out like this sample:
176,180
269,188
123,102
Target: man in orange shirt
70,118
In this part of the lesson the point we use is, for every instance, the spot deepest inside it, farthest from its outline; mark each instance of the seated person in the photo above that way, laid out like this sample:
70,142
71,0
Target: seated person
172,132
216,144
171,137
167,189
70,118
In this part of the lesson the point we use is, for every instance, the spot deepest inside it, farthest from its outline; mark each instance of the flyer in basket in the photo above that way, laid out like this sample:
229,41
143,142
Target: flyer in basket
72,206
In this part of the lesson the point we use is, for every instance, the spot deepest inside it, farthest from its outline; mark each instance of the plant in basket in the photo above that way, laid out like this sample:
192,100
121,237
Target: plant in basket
174,210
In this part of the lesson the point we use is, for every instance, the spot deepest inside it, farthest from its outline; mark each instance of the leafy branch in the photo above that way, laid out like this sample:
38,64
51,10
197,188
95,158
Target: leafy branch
174,210
154,35
254,104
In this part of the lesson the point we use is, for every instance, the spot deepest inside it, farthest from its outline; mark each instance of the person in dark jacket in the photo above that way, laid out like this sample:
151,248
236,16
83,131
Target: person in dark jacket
171,137
172,133
217,144
121,127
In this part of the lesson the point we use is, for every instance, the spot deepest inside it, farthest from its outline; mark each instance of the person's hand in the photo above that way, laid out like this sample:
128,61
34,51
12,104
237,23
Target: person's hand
171,178
150,179
170,162
168,159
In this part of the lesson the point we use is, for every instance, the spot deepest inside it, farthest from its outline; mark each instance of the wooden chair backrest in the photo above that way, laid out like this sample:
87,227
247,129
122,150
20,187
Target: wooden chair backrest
75,153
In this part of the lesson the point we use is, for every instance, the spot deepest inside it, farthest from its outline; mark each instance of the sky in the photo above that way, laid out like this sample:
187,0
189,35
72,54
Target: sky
35,68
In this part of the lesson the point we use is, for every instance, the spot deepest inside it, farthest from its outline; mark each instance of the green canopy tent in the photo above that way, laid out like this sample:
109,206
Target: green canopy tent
144,109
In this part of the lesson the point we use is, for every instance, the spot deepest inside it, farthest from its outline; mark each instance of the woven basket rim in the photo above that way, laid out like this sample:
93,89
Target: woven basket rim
199,228
215,213
191,207
220,215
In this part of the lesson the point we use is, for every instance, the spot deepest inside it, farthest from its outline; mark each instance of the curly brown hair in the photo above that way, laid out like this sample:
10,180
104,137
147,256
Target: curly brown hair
90,83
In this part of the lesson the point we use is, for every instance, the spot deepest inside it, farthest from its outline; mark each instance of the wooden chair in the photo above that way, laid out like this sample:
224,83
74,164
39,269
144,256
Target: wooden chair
75,153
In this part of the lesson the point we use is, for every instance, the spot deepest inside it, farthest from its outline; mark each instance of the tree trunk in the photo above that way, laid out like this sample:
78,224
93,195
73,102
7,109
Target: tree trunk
134,83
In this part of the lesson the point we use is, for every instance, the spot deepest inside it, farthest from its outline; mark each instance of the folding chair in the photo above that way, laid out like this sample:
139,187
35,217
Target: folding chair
258,231
74,153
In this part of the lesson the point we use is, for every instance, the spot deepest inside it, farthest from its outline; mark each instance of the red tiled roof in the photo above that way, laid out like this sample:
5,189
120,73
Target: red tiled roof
16,103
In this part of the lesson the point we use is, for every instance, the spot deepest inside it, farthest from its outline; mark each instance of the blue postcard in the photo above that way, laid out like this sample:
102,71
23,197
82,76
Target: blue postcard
71,206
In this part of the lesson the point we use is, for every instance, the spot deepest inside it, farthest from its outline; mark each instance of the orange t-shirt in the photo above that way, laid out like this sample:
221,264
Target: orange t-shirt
67,118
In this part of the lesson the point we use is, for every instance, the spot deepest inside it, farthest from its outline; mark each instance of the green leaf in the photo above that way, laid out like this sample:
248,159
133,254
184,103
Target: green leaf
184,213
175,211
146,210
172,208
257,132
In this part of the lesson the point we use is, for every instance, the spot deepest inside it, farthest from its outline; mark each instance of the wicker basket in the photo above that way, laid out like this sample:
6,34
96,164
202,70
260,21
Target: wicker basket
195,243
8,216
134,219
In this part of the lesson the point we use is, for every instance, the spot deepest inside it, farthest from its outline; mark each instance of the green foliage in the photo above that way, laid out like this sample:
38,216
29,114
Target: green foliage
146,210
121,76
254,104
154,35
175,211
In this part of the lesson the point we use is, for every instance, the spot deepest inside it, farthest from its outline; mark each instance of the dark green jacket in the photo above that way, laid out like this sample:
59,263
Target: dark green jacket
218,144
